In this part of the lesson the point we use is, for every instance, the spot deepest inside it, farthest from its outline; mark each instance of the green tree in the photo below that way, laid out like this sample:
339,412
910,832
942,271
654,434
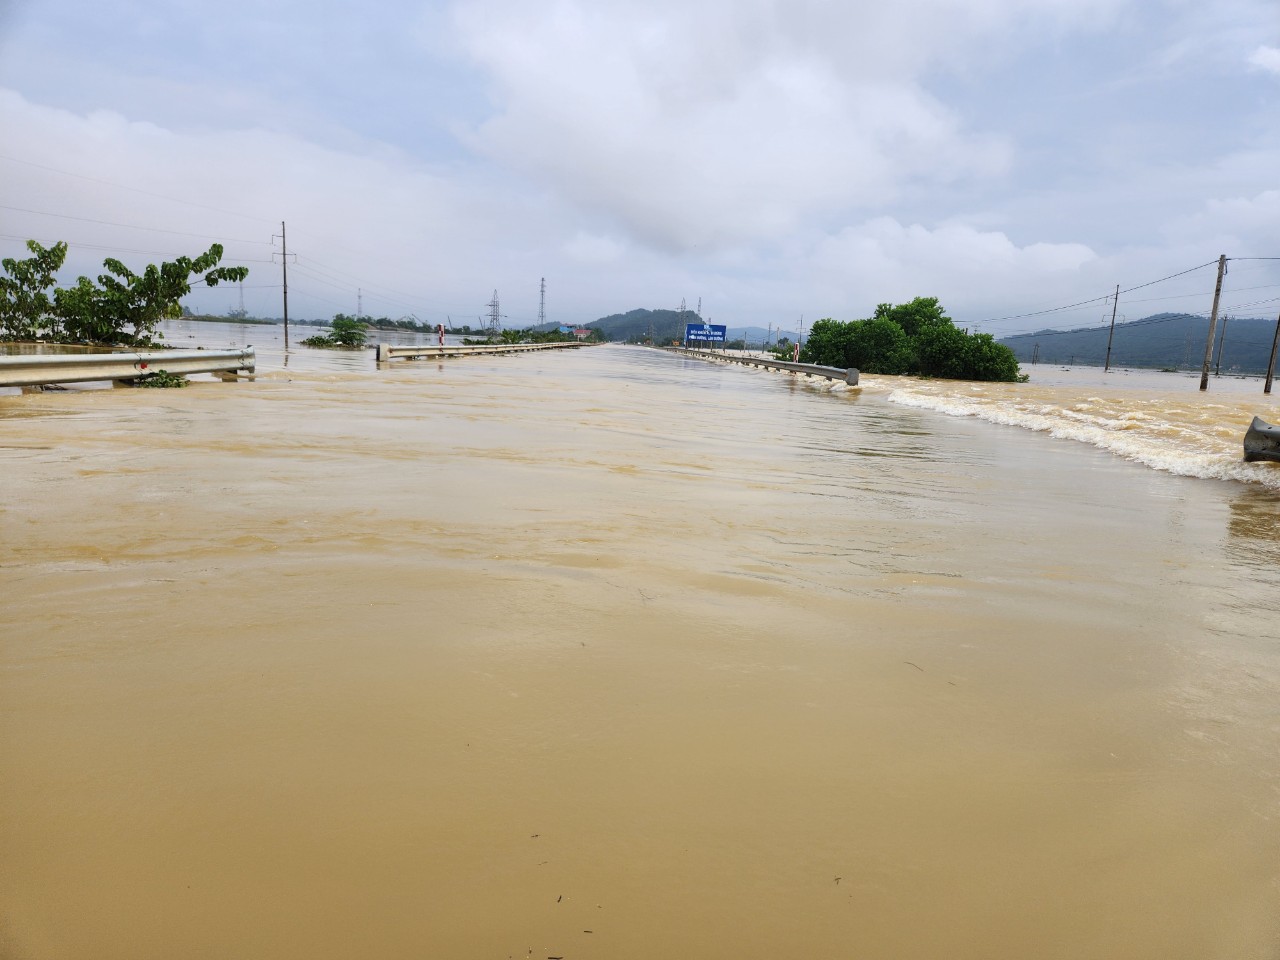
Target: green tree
922,313
100,313
828,343
916,337
988,360
943,351
880,345
877,345
144,299
347,331
26,309
84,314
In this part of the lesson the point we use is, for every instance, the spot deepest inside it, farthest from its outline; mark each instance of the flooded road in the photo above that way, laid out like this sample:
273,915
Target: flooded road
611,654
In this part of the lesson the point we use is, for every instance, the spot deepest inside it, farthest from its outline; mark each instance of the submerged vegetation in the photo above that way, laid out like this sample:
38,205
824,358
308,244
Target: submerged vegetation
910,338
163,379
345,331
123,307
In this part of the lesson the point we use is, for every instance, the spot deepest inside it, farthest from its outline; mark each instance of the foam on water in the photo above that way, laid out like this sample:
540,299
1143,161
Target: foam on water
1184,439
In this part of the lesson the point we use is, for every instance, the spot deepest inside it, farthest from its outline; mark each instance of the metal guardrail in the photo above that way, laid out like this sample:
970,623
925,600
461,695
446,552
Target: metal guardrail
848,375
27,370
387,351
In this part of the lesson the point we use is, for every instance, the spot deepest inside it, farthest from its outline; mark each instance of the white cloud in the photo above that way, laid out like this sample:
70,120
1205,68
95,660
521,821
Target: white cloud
773,158
372,214
697,126
587,247
884,260
1242,226
1266,58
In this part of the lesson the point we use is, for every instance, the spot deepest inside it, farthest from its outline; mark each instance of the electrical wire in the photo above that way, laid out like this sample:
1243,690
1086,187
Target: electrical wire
130,226
121,186
1102,299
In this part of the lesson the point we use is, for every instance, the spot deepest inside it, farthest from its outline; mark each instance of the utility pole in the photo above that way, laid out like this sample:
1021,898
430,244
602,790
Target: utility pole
1222,340
1213,322
1271,365
542,303
359,303
1107,364
284,273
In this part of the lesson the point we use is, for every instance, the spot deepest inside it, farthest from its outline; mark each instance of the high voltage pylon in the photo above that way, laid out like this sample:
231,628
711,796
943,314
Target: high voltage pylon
495,318
542,303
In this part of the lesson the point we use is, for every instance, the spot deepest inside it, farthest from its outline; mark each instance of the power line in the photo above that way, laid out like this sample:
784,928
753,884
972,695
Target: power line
121,186
78,245
1102,299
1200,293
129,226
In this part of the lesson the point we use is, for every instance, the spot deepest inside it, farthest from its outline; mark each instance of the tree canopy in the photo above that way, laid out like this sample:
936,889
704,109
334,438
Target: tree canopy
914,338
101,312
25,306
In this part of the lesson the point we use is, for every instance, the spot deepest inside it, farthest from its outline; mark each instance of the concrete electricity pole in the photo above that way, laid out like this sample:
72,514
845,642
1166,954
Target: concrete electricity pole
1107,364
1213,322
284,271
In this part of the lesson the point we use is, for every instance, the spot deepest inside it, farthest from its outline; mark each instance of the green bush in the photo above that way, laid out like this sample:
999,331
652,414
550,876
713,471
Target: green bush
914,338
873,346
346,331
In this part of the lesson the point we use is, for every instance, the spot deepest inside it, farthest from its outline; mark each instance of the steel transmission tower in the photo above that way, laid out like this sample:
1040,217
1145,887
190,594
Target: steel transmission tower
495,324
542,303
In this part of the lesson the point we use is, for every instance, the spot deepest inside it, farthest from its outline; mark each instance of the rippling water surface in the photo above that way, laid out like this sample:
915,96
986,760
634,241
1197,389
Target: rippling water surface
613,654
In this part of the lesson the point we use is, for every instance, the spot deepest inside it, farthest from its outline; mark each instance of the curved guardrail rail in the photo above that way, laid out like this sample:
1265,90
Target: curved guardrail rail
848,375
387,351
28,370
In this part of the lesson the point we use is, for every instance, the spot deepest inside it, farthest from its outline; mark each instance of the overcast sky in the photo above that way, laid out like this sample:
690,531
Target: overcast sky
775,159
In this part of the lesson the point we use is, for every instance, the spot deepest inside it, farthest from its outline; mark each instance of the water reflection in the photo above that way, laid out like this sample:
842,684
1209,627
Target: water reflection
1255,525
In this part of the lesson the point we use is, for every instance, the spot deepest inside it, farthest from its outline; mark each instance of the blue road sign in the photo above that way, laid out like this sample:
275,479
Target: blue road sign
705,332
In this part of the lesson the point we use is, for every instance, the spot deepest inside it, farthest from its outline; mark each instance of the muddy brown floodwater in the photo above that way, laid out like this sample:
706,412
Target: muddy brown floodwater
613,655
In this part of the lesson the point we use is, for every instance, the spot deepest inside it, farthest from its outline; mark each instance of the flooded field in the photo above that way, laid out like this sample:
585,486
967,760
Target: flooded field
612,654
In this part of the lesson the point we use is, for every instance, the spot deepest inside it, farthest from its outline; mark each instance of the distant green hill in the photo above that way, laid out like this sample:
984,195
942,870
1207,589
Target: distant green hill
1161,341
663,325
668,325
